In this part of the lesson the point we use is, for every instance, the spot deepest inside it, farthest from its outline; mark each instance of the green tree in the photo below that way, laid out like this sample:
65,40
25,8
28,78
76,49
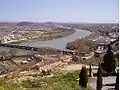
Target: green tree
99,78
80,45
83,77
109,63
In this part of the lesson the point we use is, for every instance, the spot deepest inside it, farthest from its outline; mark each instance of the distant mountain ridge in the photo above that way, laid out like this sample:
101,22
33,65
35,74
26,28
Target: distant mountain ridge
25,24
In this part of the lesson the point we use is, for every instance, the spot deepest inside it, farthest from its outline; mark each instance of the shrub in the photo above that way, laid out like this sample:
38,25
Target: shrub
31,83
74,58
83,77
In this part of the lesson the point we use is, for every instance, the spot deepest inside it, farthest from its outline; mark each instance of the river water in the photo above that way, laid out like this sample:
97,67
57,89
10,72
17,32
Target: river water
59,43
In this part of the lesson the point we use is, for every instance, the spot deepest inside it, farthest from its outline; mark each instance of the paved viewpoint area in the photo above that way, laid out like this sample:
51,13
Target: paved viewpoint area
106,80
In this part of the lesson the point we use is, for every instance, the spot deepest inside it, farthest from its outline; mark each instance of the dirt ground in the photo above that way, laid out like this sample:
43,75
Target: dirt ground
74,67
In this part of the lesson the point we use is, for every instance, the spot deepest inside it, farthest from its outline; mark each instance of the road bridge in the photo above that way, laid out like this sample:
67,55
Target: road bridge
35,48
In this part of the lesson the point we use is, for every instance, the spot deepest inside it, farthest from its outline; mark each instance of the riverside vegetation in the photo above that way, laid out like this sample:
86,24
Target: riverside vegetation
80,46
32,36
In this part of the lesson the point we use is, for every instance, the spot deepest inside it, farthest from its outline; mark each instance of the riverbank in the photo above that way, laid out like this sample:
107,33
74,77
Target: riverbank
46,36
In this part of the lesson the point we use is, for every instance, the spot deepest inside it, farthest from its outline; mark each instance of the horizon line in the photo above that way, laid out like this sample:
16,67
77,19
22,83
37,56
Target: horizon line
51,22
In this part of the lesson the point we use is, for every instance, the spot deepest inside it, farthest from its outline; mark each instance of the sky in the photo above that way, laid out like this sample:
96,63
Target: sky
59,10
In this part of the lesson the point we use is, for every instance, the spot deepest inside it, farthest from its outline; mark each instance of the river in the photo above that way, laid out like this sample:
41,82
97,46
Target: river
59,43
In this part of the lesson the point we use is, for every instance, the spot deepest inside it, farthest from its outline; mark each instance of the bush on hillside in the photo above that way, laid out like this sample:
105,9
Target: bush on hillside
83,77
31,83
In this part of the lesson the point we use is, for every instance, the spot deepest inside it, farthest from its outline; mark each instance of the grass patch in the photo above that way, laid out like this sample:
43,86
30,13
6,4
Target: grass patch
62,81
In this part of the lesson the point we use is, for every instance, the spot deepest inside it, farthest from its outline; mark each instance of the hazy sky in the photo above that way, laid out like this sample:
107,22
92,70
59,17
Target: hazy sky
59,10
